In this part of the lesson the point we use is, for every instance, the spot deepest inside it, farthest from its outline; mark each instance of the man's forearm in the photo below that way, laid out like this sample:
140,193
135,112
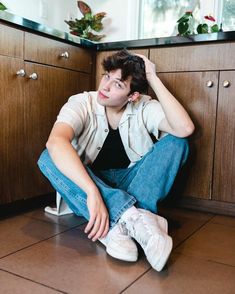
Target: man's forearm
176,115
69,163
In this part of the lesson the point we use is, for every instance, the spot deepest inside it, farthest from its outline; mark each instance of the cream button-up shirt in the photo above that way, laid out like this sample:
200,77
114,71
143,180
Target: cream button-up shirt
88,120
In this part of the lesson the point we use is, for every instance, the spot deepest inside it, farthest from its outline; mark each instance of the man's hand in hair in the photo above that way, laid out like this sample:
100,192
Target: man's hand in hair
150,67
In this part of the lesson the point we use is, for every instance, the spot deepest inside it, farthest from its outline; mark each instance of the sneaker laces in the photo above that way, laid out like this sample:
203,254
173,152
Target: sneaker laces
138,221
120,230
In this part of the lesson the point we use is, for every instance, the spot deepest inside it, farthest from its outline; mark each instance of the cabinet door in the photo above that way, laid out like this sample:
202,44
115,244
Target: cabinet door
224,166
11,127
47,51
199,100
11,43
43,99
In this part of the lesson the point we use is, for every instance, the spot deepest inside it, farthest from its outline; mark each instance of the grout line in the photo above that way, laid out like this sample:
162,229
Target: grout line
54,223
135,280
26,247
35,282
206,222
220,263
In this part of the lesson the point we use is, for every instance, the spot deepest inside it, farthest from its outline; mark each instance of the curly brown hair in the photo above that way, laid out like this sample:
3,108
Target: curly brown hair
131,66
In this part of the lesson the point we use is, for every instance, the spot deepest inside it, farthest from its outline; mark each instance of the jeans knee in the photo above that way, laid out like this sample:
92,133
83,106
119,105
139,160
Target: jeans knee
174,145
180,146
43,159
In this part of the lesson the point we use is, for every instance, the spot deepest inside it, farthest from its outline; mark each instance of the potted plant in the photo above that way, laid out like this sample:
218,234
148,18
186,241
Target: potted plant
185,25
85,26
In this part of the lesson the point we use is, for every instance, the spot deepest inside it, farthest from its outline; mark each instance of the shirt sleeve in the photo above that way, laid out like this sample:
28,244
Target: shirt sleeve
153,114
75,112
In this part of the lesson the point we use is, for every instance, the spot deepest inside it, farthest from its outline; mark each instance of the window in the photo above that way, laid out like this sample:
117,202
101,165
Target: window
228,15
158,18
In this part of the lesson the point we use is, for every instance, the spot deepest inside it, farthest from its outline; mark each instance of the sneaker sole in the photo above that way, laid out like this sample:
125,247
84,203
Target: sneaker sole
115,254
165,254
121,256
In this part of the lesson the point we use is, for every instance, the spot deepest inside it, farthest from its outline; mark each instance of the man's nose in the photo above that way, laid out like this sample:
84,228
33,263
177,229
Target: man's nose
106,85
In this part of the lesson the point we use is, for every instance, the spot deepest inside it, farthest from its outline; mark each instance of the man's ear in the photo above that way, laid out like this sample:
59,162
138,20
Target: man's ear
133,97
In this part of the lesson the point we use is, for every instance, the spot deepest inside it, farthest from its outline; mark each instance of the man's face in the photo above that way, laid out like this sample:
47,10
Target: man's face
113,92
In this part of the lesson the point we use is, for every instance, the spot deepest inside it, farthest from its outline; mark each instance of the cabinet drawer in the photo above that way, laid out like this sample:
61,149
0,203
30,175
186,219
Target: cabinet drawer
48,51
194,58
11,43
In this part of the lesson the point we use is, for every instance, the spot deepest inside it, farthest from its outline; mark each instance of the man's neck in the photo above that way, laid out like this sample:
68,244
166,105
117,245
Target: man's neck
114,115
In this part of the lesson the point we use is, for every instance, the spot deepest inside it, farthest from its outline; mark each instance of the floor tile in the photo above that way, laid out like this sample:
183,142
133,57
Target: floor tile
72,263
183,223
212,242
13,284
185,213
70,220
223,220
187,275
19,232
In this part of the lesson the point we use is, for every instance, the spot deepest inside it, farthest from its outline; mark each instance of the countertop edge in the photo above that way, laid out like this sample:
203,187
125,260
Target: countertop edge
34,27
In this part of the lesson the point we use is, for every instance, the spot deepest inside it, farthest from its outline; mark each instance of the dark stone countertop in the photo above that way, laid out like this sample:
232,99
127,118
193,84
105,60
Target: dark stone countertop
7,17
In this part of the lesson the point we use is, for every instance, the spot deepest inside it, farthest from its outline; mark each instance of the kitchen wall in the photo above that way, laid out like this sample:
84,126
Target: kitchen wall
120,23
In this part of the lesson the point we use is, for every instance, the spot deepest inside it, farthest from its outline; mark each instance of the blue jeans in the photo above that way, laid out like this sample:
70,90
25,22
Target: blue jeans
142,185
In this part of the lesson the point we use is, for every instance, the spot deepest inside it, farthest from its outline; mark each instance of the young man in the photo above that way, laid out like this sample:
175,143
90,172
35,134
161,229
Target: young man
100,157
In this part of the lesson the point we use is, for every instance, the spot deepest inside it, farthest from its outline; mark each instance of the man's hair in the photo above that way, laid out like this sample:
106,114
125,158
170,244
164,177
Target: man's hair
131,66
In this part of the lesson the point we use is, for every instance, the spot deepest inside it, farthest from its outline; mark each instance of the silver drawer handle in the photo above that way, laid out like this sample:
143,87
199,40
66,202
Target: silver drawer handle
65,54
226,84
209,84
21,73
33,76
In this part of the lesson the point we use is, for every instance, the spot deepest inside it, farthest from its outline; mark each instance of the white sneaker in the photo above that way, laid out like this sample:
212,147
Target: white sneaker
119,245
144,228
162,222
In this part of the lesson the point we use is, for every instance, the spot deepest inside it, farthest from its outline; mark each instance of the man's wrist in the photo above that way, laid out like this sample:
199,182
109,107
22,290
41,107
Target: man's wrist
91,190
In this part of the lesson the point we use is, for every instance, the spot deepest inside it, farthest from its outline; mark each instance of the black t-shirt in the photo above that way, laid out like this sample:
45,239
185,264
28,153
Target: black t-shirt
112,154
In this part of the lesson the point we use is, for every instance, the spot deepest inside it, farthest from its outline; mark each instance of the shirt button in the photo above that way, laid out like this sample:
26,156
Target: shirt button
98,148
106,130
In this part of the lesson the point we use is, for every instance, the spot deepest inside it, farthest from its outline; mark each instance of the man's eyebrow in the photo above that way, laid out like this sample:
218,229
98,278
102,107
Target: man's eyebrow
121,80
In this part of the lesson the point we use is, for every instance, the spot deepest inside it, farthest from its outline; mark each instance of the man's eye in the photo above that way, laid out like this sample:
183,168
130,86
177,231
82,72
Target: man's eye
106,76
118,85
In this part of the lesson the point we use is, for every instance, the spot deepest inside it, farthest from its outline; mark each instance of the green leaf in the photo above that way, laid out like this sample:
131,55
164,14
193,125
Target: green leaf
2,7
215,28
185,17
88,16
183,27
203,29
96,26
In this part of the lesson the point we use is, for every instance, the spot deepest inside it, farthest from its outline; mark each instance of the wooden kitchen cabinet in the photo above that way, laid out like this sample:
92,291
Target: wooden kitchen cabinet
224,160
199,81
11,127
11,41
44,98
28,110
192,91
47,51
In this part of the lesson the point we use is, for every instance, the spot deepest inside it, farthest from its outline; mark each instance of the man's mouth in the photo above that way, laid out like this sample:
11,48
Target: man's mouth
102,95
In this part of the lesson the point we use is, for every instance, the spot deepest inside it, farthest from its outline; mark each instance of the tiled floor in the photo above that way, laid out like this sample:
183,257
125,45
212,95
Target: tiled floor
41,253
